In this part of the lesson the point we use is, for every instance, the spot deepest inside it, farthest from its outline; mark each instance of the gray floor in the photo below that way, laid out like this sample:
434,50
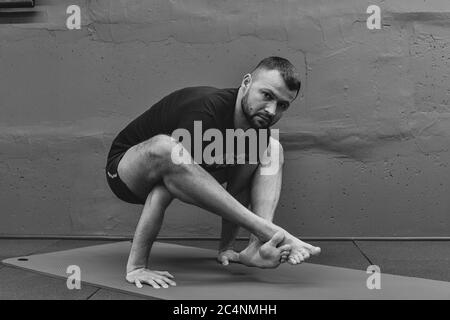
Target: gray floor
423,259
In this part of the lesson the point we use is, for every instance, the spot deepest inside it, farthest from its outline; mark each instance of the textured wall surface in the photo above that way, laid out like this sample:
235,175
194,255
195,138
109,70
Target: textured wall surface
367,142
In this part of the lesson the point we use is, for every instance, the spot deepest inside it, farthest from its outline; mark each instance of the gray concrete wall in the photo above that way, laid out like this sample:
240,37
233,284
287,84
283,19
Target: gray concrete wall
367,142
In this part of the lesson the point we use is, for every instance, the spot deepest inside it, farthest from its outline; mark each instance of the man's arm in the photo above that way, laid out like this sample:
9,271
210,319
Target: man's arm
146,232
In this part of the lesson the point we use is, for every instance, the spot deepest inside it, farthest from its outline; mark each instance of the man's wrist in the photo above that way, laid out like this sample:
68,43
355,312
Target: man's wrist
131,268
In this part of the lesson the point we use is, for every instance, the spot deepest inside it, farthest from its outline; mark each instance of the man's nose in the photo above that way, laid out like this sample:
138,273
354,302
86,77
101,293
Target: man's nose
271,108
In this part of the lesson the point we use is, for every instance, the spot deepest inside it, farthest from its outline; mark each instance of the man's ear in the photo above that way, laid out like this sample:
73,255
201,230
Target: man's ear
247,80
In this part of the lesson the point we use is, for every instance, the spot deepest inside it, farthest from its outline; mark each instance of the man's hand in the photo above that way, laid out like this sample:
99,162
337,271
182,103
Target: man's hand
156,279
266,255
301,251
227,256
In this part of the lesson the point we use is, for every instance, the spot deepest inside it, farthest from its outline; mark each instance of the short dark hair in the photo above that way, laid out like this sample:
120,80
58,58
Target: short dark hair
286,69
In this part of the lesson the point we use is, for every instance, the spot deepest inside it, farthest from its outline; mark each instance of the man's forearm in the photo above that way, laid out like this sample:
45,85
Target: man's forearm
146,233
140,252
148,227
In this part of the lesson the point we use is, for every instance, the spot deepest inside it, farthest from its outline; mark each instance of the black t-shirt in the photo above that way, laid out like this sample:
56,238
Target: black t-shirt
213,107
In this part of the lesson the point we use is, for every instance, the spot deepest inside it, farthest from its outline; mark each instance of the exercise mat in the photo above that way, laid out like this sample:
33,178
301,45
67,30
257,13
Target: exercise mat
200,277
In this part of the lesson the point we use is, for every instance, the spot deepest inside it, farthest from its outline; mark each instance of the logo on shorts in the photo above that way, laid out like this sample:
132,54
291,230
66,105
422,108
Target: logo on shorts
112,176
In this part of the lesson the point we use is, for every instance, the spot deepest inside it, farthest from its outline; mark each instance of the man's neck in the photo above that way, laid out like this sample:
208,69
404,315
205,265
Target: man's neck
240,121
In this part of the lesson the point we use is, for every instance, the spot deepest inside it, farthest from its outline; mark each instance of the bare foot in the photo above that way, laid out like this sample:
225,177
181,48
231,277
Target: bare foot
266,255
301,251
227,256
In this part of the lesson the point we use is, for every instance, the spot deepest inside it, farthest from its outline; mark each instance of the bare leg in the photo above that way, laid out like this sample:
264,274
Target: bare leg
149,163
265,193
262,191
229,232
238,185
264,196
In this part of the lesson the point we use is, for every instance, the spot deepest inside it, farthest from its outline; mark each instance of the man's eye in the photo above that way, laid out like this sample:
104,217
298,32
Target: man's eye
267,96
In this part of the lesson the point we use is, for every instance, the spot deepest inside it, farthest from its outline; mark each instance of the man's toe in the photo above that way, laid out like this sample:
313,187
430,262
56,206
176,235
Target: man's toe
305,254
285,247
314,250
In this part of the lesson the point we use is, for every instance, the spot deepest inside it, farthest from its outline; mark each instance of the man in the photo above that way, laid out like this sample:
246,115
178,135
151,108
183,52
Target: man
141,169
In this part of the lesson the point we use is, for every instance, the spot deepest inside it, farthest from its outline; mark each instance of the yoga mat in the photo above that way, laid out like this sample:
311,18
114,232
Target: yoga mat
200,277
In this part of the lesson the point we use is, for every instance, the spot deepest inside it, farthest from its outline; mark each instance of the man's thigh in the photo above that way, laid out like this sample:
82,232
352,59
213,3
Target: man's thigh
140,169
141,172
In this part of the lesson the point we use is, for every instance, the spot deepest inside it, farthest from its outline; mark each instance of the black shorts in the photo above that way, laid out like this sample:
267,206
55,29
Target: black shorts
118,187
121,190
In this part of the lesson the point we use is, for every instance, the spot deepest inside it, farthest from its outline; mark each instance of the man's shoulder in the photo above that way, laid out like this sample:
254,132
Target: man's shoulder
207,98
209,93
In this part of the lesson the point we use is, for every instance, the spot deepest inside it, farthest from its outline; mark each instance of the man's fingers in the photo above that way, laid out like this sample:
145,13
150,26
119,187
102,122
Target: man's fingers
167,280
161,282
164,282
165,273
286,247
277,238
153,283
138,283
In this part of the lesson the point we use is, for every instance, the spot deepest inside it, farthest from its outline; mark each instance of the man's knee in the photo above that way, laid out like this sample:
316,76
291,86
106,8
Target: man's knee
158,147
166,153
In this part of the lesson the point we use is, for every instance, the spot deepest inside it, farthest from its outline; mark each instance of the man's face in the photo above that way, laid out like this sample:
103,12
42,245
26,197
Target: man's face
265,99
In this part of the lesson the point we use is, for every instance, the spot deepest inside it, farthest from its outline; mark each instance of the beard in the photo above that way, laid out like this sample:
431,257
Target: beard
253,119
